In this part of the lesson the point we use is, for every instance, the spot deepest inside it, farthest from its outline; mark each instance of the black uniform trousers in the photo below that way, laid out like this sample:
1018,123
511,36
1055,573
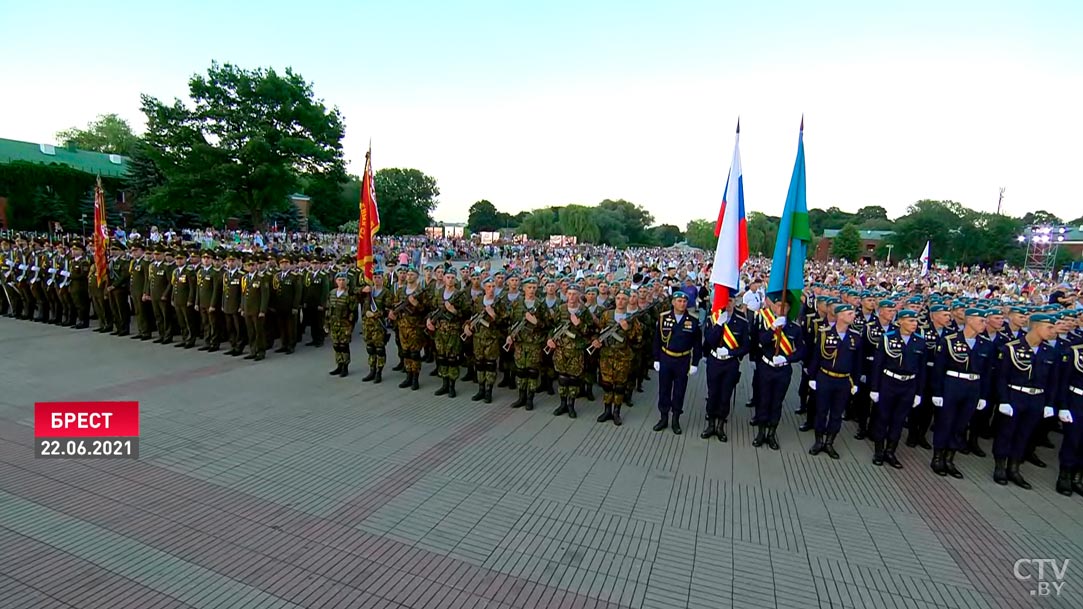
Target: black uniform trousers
1015,430
896,402
952,419
722,378
773,385
832,396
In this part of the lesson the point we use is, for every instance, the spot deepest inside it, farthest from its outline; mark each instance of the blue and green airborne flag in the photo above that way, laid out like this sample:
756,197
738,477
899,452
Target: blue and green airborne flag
794,235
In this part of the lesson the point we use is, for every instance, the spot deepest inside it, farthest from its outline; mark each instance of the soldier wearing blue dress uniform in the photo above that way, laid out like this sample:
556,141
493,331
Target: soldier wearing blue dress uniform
678,344
897,376
981,422
1070,401
781,345
811,336
921,417
1062,342
724,344
835,368
1026,370
873,330
960,386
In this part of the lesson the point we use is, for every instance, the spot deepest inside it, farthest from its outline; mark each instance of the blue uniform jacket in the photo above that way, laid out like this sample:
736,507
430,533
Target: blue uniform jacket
1020,364
712,336
836,354
792,331
673,337
952,353
900,357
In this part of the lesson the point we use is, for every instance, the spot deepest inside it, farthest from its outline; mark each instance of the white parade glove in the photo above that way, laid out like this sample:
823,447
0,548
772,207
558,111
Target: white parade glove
779,360
812,385
692,370
722,352
1006,409
917,401
780,322
938,401
982,404
1065,416
657,367
853,390
874,396
1047,412
723,318
862,379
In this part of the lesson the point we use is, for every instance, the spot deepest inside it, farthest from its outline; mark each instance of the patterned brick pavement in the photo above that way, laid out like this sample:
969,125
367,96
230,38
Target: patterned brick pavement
273,485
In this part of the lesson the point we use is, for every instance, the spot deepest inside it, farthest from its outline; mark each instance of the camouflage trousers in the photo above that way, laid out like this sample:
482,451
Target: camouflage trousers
375,342
616,367
412,336
341,335
528,359
448,349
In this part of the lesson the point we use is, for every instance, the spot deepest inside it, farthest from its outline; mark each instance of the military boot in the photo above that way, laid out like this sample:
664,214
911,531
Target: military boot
1000,471
451,388
406,381
720,431
379,376
399,367
878,453
488,394
1077,481
415,384
336,371
939,468
607,415
772,437
616,416
818,446
1016,477
345,370
563,408
1064,482
480,395
522,399
761,436
889,454
529,400
949,465
443,387
708,431
571,408
588,392
371,375
661,424
675,425
829,446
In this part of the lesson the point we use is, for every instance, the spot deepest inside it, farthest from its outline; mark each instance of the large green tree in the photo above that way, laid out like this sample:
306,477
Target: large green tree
762,231
484,217
700,233
847,244
406,198
665,234
249,139
108,133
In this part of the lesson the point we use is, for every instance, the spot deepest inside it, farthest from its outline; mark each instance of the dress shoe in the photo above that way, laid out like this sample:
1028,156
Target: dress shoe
829,446
708,431
720,431
661,424
949,465
772,438
1015,476
1034,460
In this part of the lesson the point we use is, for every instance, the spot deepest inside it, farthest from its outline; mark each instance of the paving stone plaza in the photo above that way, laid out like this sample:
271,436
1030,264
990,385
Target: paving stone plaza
272,485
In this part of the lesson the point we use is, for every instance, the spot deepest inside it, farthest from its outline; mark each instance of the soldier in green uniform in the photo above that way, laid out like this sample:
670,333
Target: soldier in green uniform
39,276
528,321
314,294
208,301
341,310
575,328
510,296
183,291
287,287
138,268
451,307
551,301
117,291
79,270
409,314
485,327
231,305
255,300
157,290
616,355
99,298
376,302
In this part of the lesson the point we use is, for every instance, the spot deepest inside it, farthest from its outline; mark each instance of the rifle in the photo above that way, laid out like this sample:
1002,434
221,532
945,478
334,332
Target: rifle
441,313
478,318
557,333
613,331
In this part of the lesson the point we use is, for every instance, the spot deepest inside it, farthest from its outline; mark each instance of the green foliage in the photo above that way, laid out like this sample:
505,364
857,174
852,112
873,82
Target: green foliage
762,232
832,217
870,212
59,188
958,235
612,222
109,133
484,216
406,198
665,234
250,138
633,222
700,233
1040,217
847,244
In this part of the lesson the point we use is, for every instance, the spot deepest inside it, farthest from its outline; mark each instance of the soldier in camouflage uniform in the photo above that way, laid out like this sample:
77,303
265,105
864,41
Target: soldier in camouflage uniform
487,333
575,328
376,301
529,322
411,307
616,357
450,309
341,310
552,302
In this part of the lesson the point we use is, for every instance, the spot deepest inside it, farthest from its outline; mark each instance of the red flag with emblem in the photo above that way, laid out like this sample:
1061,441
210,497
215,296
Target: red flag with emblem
101,232
369,222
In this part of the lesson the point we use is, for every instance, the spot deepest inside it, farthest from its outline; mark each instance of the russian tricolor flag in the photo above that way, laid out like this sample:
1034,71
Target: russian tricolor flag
732,232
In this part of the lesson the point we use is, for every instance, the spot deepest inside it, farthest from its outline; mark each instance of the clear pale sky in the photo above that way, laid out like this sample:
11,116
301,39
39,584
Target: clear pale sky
558,102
